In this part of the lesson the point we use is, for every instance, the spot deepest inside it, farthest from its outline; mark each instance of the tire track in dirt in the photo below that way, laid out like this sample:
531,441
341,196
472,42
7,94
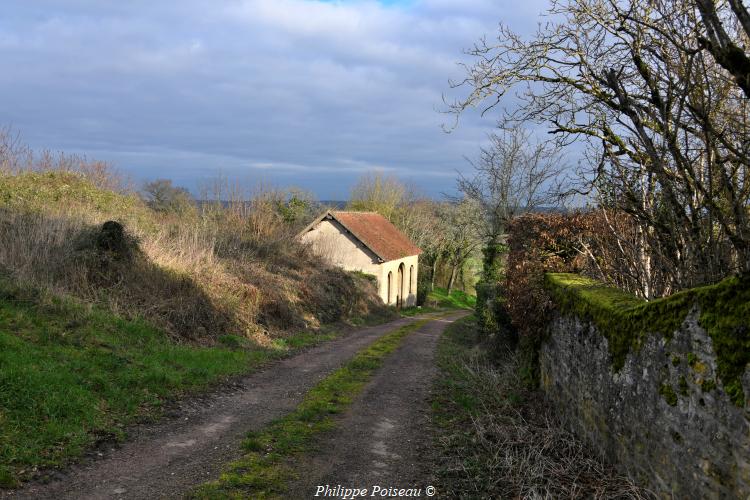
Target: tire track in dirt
383,439
167,459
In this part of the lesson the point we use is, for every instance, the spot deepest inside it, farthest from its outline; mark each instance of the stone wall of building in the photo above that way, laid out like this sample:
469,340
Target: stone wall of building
407,292
333,242
664,417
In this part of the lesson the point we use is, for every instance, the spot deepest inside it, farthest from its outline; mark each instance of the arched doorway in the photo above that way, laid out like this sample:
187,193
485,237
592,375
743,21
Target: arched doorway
400,286
388,299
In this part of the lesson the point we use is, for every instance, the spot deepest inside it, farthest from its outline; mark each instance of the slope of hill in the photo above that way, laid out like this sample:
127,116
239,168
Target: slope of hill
107,308
196,275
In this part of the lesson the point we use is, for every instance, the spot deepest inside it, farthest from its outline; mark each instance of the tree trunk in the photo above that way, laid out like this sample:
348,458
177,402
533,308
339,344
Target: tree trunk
452,278
434,270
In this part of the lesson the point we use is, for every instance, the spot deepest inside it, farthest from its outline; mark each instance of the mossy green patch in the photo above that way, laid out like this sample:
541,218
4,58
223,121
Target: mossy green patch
625,320
668,394
692,359
708,385
265,469
683,386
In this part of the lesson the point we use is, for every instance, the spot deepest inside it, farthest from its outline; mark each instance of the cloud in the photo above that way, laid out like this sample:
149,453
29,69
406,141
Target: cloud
300,91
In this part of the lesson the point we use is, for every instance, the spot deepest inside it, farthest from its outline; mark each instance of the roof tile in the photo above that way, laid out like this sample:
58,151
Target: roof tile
378,234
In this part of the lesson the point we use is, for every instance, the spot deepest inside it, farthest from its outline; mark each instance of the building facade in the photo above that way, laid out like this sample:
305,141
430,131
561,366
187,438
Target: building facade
369,243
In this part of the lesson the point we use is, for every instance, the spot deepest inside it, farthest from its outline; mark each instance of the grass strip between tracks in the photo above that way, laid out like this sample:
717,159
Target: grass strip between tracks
265,469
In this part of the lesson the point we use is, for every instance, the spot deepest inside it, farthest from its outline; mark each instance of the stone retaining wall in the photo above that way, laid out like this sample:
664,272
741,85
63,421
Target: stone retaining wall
664,416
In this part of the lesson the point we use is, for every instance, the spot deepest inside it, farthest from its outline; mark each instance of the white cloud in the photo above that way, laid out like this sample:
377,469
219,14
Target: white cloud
288,87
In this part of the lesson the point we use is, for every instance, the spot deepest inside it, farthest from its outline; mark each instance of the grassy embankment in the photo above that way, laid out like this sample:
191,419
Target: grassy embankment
98,330
267,466
72,375
496,437
439,300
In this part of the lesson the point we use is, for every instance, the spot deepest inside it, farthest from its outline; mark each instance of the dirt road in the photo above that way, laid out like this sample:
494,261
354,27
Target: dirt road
167,459
382,441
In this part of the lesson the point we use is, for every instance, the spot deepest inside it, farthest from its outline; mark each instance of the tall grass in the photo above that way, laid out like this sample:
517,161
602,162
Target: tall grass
498,438
230,265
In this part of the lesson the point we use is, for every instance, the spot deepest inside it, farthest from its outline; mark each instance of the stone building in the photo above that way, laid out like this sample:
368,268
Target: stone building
368,242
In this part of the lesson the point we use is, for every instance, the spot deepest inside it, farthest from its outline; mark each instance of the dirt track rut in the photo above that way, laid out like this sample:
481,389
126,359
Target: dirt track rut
383,440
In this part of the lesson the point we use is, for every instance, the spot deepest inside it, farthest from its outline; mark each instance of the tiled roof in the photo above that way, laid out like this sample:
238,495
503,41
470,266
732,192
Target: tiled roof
378,234
375,232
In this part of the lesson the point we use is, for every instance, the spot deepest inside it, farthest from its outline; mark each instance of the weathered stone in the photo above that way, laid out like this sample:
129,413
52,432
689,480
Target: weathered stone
698,447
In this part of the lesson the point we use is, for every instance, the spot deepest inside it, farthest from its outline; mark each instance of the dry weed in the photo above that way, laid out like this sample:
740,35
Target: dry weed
231,267
506,443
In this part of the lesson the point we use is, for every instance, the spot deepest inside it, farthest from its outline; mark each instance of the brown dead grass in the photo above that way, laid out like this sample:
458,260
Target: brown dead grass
208,272
499,439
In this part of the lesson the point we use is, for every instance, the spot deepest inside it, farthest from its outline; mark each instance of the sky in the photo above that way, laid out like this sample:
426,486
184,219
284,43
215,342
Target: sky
307,93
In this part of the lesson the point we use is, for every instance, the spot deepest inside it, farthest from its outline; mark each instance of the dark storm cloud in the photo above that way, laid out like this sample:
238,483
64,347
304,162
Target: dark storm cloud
287,91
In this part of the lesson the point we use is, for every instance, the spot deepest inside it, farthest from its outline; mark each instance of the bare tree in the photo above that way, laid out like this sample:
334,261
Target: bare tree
163,196
424,223
513,174
727,28
377,192
462,236
666,126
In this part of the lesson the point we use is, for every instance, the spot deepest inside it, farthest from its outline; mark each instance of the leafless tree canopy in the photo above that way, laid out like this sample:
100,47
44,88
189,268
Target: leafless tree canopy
444,230
658,90
512,174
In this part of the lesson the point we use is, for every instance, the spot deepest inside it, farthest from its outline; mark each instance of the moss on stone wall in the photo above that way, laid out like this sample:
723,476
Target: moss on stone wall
625,320
668,394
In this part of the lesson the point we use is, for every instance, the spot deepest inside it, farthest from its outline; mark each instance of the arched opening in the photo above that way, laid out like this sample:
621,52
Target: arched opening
400,286
411,280
390,287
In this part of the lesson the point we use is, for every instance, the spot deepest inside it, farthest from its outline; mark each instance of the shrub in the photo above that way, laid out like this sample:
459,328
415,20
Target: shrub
424,285
539,243
492,317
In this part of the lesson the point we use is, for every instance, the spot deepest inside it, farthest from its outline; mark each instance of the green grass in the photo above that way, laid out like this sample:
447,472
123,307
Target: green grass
71,375
410,312
461,392
458,343
457,299
439,300
266,467
626,320
468,388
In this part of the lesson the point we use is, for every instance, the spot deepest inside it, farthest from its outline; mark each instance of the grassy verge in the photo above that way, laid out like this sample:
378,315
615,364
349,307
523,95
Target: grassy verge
456,299
496,437
265,470
72,375
410,312
439,300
